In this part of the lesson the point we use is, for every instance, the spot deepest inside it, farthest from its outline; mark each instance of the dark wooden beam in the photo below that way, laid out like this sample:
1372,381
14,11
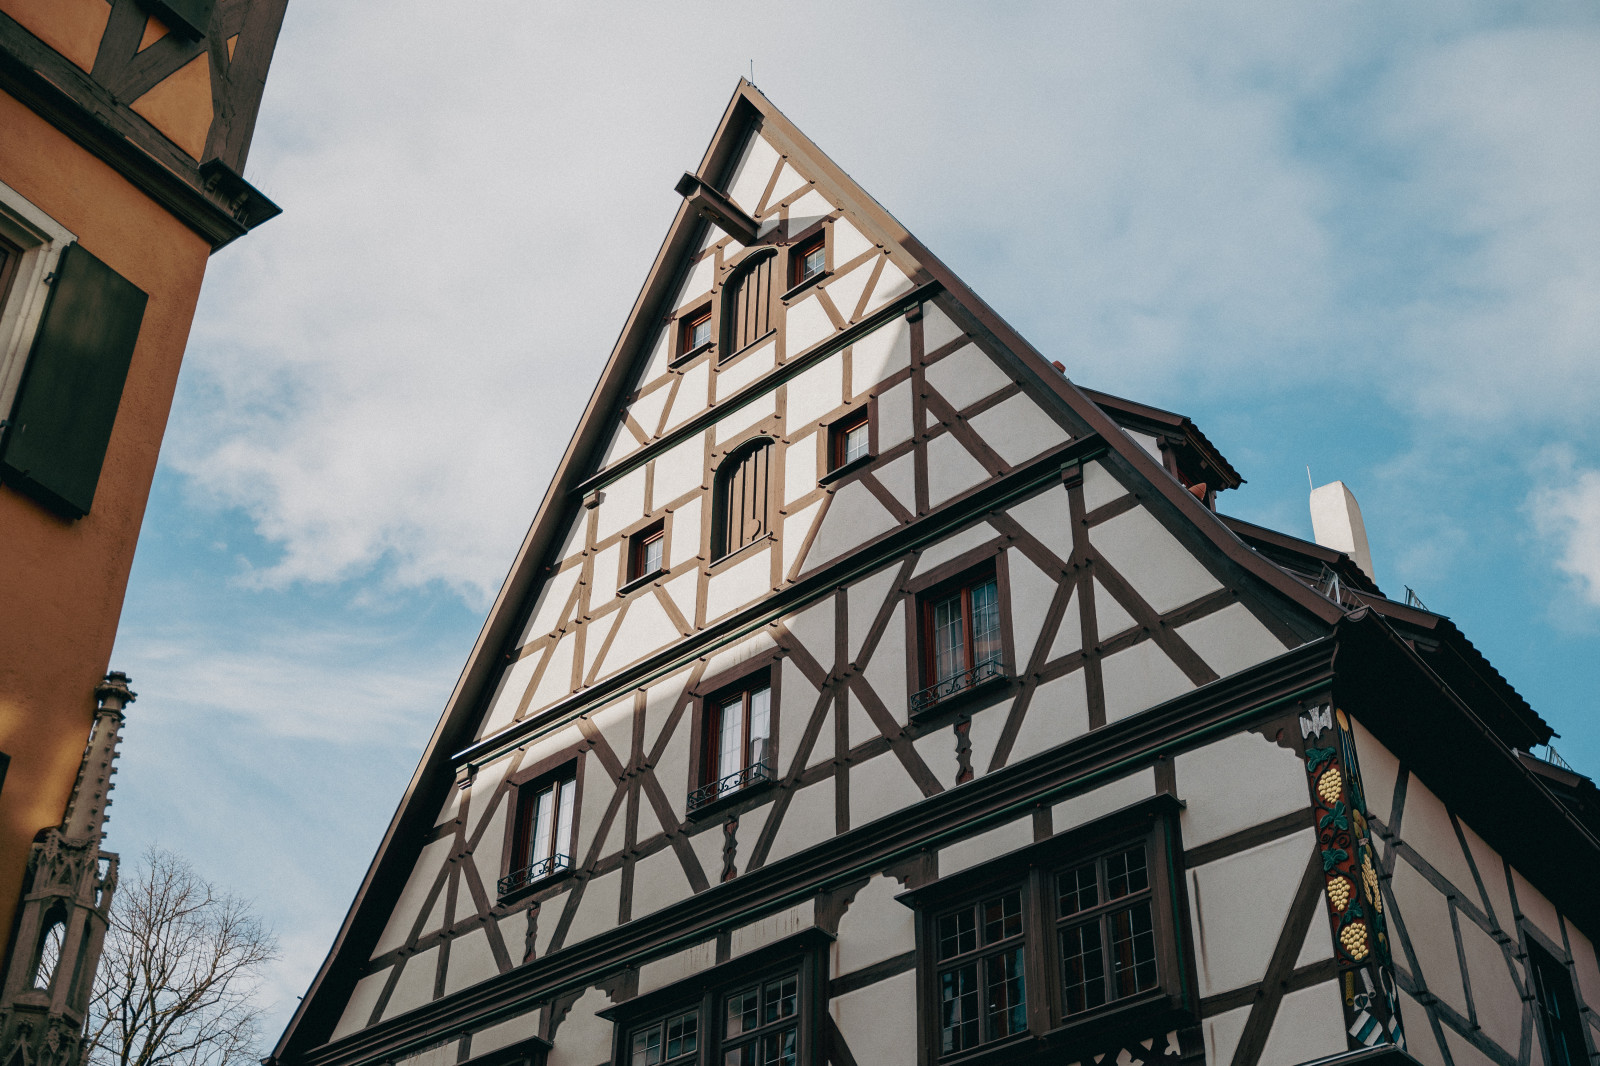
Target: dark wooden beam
707,203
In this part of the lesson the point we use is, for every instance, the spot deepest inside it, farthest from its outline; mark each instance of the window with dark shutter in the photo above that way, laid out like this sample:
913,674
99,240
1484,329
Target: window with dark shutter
741,513
61,423
749,306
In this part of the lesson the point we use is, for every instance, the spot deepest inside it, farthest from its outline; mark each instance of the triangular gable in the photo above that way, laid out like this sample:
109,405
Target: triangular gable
771,171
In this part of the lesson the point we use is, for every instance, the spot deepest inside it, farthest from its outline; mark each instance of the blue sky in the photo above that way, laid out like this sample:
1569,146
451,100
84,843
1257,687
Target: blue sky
1359,237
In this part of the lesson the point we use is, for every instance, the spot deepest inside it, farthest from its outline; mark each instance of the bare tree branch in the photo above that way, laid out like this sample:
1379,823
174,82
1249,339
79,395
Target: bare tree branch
181,970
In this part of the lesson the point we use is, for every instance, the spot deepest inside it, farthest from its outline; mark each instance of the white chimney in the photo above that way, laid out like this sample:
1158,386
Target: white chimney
1336,523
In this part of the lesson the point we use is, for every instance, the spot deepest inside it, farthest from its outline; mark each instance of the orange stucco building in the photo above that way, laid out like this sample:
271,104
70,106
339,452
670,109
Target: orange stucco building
124,127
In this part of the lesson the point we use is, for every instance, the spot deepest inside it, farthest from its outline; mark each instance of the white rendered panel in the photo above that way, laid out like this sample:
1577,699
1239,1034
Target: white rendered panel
956,544
415,986
854,517
659,880
1048,518
1530,901
937,328
692,397
742,652
549,612
1148,443
891,284
1379,772
809,820
990,844
1069,634
659,701
1209,782
744,581
987,724
1151,559
1031,593
1106,799
647,409
734,423
1309,1025
1463,1053
876,927
471,961
1140,677
951,469
813,628
966,376
800,466
886,672
814,392
880,353
895,416
865,599
673,772
1239,905
682,591
1231,640
1222,1034
615,723
1420,1043
848,242
660,353
1587,966
879,788
807,210
879,1021
1494,994
557,680
1110,617
1490,867
708,843
1058,713
597,911
684,537
861,728
622,502
1099,487
607,569
503,1034
679,470
697,285
643,629
1018,429
731,377
795,529
359,1007
900,478
623,444
751,176
430,862
790,181
508,691
1426,827
583,1038
845,289
1427,920
938,750
806,323
1318,945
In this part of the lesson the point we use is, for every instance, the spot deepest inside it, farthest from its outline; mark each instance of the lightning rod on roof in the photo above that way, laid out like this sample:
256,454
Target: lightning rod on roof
1313,484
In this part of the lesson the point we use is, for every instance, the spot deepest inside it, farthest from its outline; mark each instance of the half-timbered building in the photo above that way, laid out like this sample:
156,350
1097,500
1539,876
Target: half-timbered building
867,693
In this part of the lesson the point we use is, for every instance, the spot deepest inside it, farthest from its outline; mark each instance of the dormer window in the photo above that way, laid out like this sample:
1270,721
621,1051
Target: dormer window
808,260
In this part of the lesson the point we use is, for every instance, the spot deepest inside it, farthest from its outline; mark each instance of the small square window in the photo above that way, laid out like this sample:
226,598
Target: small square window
646,555
808,260
849,439
694,332
962,642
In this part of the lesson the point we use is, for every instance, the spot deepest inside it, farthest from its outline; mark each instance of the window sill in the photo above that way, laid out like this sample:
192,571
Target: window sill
989,679
724,798
815,279
1151,1014
752,346
511,887
722,560
683,358
848,468
641,581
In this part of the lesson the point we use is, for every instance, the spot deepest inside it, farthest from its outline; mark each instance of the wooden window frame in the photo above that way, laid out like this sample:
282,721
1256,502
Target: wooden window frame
802,245
39,241
1552,980
728,298
683,333
957,575
1032,871
764,670
838,432
523,786
721,499
638,546
804,955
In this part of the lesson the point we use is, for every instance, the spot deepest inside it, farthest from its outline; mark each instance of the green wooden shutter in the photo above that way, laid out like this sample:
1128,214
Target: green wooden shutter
188,17
62,419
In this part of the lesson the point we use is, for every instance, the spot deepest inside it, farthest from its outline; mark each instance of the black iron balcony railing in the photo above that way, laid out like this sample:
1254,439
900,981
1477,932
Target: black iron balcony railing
991,669
536,872
708,794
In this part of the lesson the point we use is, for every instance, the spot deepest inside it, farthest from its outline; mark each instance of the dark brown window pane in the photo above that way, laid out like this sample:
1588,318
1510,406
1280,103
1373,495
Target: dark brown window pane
1078,891
1133,951
1126,873
958,1009
1007,1007
958,934
1002,918
1083,980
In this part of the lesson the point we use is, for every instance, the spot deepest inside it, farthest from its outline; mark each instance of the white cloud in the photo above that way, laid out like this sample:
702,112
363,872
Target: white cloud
1566,513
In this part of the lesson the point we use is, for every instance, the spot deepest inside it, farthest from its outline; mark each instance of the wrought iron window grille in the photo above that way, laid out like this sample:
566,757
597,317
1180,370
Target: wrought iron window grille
536,872
990,669
708,794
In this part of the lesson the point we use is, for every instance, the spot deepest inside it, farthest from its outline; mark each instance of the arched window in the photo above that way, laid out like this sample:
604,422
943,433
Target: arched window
740,512
747,305
49,953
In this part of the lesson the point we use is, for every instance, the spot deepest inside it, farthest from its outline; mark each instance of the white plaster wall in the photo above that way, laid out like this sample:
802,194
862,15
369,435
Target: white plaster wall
814,392
1426,827
644,628
408,907
1100,487
874,928
955,544
938,750
415,986
879,1022
772,928
750,177
659,973
1237,907
1231,640
1309,1025
848,242
879,787
1209,781
659,881
471,961
750,365
894,416
1494,994
982,847
584,1038
679,470
1031,592
1152,560
806,323
597,911
1138,677
800,467
548,610
739,584
966,376
809,820
1018,429
951,469
854,517
505,1033
880,353
622,501
359,1007
1427,920
1106,799
1059,712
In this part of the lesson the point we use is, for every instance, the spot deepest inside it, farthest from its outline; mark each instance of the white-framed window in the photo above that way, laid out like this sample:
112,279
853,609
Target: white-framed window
32,242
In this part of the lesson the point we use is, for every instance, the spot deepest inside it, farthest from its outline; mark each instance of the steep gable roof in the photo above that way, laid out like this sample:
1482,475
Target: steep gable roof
748,112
